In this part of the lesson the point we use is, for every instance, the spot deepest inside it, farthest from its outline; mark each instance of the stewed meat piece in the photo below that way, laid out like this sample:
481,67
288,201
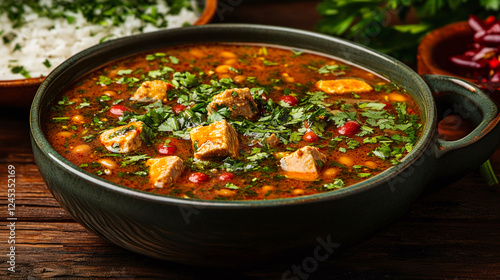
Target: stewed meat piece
123,139
152,91
304,164
218,139
238,100
163,171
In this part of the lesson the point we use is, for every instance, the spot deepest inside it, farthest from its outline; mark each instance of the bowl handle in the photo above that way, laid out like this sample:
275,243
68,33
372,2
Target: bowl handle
455,95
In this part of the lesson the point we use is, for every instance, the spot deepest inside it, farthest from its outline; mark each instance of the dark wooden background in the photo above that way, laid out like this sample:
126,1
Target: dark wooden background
450,233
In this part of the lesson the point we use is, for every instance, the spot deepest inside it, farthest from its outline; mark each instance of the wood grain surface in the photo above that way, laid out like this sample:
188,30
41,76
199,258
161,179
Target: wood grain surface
451,232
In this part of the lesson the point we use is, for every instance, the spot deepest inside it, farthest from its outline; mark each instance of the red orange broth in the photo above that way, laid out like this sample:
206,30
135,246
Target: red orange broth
288,66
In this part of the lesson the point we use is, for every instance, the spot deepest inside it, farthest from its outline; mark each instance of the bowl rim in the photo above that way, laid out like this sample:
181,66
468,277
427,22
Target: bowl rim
28,82
428,128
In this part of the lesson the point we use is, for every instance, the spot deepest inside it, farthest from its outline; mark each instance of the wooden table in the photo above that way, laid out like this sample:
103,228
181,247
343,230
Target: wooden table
450,233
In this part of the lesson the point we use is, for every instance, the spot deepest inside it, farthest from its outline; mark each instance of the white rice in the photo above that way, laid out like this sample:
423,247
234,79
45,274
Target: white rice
55,40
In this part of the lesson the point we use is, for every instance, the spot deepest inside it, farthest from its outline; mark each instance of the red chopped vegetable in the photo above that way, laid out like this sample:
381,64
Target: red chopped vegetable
490,39
476,23
464,61
495,77
483,59
178,108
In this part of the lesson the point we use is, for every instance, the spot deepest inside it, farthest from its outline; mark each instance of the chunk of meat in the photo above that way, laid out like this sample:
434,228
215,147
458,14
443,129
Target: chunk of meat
218,139
238,100
342,86
123,139
163,171
303,164
152,91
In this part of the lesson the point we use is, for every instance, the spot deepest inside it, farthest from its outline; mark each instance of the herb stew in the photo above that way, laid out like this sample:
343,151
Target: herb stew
233,121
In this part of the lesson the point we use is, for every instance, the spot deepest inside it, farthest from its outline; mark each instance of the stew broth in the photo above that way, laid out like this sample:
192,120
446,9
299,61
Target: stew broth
226,121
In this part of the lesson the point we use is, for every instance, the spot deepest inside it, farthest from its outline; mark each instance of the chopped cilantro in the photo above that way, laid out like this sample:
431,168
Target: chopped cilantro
337,184
104,80
124,72
258,156
21,70
65,101
231,186
335,69
47,63
174,59
269,63
295,53
134,159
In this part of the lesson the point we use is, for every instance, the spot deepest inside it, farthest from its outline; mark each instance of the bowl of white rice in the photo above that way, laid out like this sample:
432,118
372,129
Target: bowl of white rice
39,35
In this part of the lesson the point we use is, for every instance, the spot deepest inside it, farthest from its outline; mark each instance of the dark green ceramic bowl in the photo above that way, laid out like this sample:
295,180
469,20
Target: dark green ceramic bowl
222,233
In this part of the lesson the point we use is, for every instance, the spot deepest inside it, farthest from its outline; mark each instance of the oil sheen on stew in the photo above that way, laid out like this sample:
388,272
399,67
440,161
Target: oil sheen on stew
233,122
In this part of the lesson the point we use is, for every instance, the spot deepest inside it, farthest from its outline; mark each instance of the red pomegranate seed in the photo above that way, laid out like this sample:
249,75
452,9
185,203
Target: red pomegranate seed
310,136
118,110
166,149
349,128
494,62
228,176
490,20
198,177
290,100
